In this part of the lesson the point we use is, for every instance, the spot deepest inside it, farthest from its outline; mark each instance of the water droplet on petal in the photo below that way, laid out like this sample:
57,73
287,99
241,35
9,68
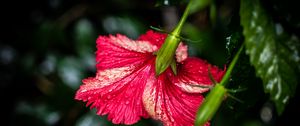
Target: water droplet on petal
182,95
108,97
158,112
172,120
127,102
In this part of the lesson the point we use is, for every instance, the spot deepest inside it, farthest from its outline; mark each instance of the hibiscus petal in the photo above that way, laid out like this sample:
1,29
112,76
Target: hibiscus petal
118,51
154,38
193,75
166,102
126,88
116,92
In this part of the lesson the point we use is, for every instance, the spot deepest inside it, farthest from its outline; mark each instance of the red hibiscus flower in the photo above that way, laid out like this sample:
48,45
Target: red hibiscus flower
126,87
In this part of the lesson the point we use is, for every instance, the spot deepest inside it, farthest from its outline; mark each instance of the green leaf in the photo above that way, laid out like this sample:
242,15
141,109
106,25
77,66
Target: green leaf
273,53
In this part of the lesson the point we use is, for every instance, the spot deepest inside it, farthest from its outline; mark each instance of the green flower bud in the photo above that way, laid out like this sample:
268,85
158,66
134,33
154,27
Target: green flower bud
210,105
166,54
215,97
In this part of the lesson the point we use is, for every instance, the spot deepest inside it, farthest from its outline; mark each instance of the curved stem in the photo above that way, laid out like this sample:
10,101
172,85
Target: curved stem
178,28
226,77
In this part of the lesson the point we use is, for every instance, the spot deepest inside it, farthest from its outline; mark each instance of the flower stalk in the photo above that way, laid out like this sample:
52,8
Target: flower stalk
215,97
226,77
165,56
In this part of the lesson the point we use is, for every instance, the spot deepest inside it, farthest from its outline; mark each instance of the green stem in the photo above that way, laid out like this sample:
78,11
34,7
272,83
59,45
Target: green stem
215,97
178,28
165,55
226,77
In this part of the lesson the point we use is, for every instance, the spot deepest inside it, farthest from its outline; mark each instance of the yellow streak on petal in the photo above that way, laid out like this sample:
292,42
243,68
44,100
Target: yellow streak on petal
138,46
192,87
149,97
107,77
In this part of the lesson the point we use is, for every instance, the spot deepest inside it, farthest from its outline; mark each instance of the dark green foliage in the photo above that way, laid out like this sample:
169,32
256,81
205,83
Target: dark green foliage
272,51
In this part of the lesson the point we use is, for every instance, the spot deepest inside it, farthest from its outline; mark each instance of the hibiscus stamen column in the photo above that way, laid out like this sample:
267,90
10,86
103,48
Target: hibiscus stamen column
165,56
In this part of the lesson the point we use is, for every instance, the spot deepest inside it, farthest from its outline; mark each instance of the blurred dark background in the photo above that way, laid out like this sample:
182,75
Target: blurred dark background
47,47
